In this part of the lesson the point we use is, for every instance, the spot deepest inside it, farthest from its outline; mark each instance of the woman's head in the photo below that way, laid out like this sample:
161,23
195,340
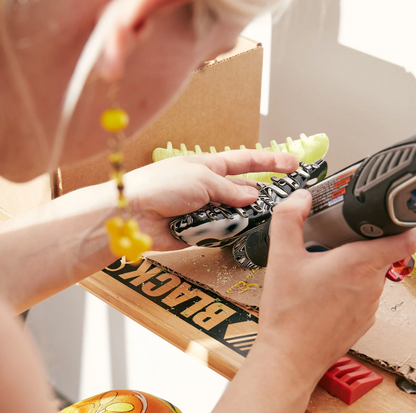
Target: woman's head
146,47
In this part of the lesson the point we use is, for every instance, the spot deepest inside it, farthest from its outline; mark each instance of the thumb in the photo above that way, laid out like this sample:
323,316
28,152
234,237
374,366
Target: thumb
287,222
382,252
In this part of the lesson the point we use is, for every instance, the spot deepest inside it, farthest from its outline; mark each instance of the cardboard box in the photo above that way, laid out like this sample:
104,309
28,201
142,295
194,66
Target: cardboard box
219,107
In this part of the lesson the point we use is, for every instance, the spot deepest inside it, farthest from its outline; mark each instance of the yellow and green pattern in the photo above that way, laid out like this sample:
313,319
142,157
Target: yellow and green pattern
122,401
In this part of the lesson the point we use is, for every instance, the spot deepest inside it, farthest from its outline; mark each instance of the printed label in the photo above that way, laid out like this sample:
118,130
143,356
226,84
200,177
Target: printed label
221,320
335,201
342,182
338,193
331,190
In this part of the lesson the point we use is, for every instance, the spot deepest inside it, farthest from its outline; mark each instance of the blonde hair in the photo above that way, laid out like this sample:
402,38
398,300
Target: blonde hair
243,11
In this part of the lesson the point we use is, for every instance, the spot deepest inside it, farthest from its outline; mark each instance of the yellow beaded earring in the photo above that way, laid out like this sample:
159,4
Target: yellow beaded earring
125,238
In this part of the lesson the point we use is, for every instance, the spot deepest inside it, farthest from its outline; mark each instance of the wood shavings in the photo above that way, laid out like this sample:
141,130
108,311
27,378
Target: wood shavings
402,364
243,286
395,307
123,263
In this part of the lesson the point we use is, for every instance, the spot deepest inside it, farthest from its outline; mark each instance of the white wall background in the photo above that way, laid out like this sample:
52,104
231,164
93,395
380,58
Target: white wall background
346,68
342,67
88,348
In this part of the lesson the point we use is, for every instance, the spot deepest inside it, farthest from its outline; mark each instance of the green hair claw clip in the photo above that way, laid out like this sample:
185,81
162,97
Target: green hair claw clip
307,149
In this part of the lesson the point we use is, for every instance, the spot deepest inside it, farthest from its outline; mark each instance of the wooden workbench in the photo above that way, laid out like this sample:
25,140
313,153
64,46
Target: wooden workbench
218,332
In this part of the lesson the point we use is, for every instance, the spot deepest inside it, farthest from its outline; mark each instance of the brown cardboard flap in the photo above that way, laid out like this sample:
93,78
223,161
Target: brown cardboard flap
219,107
390,343
214,269
242,46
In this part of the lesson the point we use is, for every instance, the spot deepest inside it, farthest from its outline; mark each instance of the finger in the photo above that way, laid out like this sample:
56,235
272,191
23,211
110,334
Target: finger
250,160
239,180
286,228
227,192
382,252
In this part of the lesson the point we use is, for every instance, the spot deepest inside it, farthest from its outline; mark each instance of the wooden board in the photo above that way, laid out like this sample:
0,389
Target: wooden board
217,332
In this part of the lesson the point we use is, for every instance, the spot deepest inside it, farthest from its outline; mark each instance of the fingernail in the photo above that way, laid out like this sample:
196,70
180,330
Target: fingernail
251,190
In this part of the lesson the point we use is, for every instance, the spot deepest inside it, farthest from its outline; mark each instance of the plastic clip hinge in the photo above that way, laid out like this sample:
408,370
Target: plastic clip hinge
349,380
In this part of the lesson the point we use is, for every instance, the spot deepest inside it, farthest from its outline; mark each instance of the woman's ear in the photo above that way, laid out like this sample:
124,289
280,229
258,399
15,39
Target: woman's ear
129,20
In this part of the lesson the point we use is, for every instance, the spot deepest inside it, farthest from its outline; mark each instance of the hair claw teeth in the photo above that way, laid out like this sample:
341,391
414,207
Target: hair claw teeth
308,149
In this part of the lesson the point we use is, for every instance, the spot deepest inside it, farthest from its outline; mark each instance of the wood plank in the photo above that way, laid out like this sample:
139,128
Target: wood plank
213,330
179,325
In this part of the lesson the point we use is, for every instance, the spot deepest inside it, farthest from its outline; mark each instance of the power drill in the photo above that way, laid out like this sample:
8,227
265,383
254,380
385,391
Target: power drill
372,198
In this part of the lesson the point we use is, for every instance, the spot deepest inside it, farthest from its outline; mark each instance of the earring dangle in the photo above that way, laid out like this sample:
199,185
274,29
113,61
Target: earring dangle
125,238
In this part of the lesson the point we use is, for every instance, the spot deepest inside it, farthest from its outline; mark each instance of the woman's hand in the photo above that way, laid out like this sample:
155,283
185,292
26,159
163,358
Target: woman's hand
177,186
316,306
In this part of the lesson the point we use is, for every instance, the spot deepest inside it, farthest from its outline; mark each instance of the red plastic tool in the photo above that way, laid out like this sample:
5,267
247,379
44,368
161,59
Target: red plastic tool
349,380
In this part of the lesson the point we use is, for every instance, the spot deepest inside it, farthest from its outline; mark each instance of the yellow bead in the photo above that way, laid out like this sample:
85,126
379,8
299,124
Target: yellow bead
133,256
120,246
126,238
140,244
131,227
118,177
116,157
114,120
122,202
114,225
125,243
